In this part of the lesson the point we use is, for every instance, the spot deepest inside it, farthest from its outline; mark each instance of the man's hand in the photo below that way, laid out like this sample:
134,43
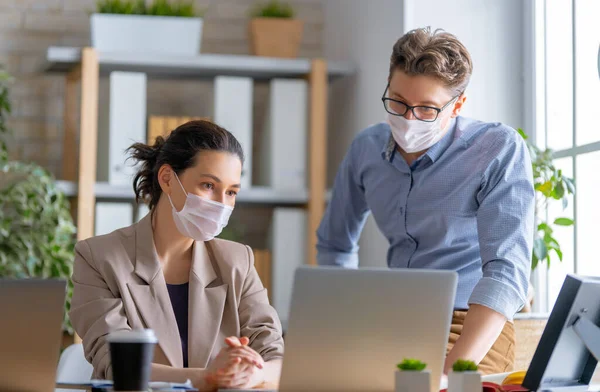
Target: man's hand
236,366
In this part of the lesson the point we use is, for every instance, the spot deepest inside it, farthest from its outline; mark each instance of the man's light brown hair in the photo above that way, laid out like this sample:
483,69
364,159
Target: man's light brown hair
437,54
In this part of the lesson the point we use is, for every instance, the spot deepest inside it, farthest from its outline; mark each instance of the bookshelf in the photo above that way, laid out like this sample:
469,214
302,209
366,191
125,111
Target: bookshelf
83,67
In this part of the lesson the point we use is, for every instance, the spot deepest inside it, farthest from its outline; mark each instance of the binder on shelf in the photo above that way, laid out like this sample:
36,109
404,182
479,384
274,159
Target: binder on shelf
112,216
122,122
163,125
287,238
233,111
284,138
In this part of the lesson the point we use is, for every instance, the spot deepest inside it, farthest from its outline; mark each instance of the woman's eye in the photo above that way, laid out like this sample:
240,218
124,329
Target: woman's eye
231,193
207,185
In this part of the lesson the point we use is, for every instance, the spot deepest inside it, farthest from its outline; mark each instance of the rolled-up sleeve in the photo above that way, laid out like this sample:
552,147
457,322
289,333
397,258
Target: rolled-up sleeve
505,221
95,311
258,319
345,216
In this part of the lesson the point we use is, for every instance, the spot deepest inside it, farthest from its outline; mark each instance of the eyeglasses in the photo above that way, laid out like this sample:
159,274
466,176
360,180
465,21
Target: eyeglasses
423,113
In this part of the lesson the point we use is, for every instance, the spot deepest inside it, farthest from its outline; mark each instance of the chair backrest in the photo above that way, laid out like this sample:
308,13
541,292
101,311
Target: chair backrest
73,367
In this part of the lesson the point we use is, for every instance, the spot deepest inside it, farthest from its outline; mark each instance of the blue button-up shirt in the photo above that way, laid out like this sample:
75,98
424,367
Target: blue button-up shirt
466,205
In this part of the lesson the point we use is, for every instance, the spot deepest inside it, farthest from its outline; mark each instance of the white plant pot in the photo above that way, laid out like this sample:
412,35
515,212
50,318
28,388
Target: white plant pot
413,381
464,382
149,34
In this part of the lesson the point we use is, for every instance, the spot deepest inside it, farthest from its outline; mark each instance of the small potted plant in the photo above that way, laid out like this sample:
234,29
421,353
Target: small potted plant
411,376
158,27
464,377
274,32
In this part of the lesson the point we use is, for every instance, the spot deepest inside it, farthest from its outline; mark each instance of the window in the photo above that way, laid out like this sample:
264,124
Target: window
568,43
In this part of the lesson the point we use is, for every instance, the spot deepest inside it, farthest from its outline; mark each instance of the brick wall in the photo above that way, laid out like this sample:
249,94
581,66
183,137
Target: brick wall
28,27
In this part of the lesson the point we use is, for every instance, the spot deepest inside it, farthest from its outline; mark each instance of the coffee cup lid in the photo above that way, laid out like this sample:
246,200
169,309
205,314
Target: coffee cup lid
134,336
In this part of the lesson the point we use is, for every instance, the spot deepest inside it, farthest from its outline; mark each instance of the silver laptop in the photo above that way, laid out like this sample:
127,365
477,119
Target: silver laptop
349,328
30,333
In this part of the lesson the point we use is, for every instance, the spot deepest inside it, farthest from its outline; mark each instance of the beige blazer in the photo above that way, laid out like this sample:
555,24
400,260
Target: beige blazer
119,285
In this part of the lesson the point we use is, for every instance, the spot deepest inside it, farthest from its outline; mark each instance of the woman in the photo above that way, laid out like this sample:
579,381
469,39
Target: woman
200,295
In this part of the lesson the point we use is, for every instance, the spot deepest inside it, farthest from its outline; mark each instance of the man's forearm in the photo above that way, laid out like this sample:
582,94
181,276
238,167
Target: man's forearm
480,331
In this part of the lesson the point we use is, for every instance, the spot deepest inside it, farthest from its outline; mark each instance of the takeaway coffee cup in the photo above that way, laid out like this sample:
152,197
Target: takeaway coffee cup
131,354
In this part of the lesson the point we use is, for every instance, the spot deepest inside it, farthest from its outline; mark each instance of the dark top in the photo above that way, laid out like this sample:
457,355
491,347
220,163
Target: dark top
179,294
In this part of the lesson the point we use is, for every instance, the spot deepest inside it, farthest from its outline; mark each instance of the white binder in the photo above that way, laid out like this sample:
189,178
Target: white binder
233,111
284,139
288,244
122,122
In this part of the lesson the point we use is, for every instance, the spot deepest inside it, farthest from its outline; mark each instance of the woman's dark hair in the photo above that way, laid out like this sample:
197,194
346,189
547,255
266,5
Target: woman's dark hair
179,151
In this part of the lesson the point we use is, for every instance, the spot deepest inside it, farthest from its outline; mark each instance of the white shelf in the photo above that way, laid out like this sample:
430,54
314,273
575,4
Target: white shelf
64,59
255,195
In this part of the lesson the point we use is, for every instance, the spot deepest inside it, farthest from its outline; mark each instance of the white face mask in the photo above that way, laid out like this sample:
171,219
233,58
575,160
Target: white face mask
415,135
200,219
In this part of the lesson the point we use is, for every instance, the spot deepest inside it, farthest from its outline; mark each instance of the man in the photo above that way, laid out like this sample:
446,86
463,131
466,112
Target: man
446,191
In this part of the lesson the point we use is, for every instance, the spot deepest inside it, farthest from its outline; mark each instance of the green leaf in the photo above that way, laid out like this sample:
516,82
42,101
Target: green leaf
462,365
534,262
545,228
545,188
564,222
522,133
559,191
540,249
559,253
569,184
412,365
273,9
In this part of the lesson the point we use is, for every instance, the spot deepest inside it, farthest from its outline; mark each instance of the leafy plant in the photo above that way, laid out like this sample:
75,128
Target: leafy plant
164,8
36,228
124,7
184,9
550,185
462,365
273,9
5,109
37,234
412,365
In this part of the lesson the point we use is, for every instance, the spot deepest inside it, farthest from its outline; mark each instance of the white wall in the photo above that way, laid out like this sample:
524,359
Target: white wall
493,33
365,31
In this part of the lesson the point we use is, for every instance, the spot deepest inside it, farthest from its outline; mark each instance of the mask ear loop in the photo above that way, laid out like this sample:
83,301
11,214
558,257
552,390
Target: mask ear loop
182,188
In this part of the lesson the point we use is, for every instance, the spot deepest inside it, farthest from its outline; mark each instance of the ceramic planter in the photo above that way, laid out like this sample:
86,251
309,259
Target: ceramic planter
276,37
413,381
148,34
464,382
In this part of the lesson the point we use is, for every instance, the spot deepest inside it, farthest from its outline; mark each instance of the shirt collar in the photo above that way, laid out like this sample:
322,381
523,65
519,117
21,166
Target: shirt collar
434,151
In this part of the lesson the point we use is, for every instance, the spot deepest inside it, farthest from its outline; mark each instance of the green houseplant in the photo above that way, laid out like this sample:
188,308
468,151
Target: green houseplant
550,185
411,376
464,377
168,27
182,9
37,234
412,365
462,365
273,30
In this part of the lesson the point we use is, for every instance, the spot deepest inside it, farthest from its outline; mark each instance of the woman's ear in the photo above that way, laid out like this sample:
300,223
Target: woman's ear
458,105
165,178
